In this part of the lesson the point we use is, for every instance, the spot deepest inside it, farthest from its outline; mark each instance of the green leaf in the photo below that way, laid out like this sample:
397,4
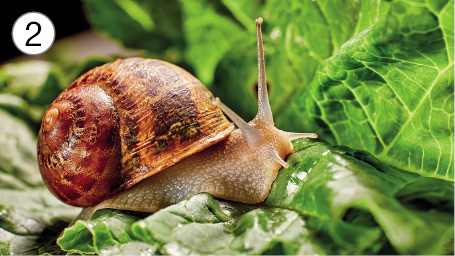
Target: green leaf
211,32
244,11
389,90
18,163
37,81
141,24
30,220
108,230
204,225
201,208
19,108
131,248
201,225
349,188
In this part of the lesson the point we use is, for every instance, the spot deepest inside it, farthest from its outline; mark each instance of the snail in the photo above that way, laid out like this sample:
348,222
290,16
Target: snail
141,134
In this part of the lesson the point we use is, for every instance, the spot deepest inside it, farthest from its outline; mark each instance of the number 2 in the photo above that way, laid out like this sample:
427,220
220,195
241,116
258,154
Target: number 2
34,35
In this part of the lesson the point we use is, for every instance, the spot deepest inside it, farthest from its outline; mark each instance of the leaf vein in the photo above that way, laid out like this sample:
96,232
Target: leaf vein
411,114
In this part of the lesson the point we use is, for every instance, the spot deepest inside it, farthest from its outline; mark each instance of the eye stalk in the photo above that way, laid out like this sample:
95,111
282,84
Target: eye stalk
261,132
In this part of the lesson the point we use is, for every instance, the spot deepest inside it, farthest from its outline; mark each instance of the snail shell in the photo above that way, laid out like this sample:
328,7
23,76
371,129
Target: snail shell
121,123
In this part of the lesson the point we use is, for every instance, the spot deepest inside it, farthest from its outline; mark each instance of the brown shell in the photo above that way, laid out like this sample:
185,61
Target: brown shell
122,122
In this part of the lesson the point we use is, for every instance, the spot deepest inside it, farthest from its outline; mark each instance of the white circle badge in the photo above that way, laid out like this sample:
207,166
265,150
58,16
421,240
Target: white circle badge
33,33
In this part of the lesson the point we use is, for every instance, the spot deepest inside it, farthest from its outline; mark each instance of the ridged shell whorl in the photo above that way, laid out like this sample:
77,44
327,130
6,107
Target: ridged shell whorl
122,122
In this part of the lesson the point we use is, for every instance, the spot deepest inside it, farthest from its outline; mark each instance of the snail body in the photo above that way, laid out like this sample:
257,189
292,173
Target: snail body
140,134
232,169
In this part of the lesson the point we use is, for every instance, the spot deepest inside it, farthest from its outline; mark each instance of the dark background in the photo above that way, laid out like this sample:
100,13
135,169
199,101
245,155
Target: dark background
67,16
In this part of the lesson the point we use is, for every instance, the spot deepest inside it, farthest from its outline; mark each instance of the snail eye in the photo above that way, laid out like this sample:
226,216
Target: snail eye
51,118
